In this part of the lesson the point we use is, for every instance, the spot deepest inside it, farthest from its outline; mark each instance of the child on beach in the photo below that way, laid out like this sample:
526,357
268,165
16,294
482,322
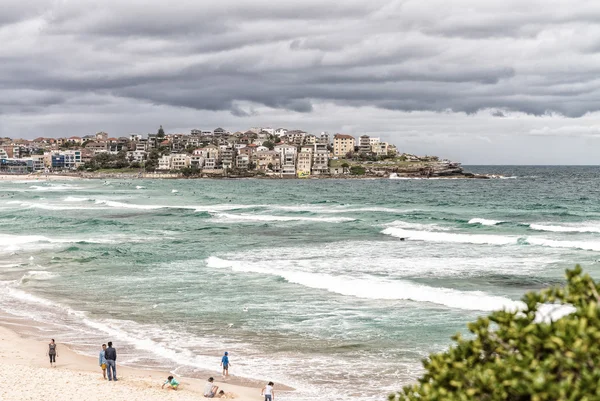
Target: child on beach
268,392
225,363
52,352
173,384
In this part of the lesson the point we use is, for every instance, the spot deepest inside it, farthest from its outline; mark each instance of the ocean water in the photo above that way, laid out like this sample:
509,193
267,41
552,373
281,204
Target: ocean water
305,283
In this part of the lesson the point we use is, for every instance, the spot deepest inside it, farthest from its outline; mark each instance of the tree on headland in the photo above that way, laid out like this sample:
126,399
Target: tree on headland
549,350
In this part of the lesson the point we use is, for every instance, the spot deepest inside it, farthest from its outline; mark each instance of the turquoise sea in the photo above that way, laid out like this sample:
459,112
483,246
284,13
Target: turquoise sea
304,282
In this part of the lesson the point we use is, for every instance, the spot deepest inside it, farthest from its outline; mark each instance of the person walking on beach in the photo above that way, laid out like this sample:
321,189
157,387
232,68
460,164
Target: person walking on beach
52,352
210,390
102,360
268,392
225,363
110,354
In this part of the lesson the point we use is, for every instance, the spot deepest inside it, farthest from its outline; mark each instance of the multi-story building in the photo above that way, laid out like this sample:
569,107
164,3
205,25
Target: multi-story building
227,157
268,161
179,161
242,161
72,159
164,162
364,144
380,148
197,161
343,144
305,159
287,156
320,164
96,147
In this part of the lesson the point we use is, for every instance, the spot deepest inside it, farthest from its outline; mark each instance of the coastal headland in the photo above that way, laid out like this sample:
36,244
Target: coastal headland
256,153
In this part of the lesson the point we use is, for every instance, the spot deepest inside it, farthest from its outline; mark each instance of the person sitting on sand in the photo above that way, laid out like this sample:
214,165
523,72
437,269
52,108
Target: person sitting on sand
173,384
268,392
225,363
102,360
210,390
52,352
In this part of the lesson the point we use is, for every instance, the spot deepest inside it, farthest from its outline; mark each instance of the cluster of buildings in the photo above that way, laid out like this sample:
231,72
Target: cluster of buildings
272,151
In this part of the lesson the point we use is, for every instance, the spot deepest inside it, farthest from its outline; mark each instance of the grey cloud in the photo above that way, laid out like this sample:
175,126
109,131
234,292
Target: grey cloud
392,55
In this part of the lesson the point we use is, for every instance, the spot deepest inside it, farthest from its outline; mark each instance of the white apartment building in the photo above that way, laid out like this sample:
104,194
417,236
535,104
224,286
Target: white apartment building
164,163
320,160
287,156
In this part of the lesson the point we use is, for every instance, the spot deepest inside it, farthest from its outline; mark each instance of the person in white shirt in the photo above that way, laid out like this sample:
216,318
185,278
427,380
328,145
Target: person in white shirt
210,390
268,392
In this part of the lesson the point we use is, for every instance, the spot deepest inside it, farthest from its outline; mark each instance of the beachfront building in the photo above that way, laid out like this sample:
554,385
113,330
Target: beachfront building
305,158
320,164
179,161
197,161
343,144
287,155
242,161
164,163
227,157
268,161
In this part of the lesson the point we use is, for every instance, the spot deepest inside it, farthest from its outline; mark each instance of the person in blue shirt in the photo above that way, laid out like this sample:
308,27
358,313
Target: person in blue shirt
102,360
225,363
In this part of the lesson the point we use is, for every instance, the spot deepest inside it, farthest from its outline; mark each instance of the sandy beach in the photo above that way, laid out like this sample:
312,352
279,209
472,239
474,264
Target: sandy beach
38,177
26,374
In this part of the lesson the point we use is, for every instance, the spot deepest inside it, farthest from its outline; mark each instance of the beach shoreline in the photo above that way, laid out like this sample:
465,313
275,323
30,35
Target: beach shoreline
76,375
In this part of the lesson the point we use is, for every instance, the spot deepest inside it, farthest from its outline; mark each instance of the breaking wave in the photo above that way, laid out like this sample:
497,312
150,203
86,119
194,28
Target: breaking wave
484,222
376,288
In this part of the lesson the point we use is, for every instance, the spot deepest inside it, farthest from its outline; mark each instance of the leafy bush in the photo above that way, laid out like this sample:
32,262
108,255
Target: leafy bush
518,355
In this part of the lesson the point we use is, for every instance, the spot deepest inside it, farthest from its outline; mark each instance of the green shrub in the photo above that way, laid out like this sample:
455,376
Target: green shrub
516,356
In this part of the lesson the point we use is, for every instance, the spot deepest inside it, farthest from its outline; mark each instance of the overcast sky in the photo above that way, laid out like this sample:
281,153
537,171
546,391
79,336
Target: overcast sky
482,82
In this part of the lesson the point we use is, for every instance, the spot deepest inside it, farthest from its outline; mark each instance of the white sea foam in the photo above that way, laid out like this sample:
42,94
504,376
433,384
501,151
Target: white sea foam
338,209
261,217
451,237
76,199
37,275
484,222
488,239
582,228
122,205
376,288
55,187
12,243
50,206
140,187
585,245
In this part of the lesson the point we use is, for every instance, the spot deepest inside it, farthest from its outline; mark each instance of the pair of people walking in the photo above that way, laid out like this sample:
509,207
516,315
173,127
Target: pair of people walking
107,360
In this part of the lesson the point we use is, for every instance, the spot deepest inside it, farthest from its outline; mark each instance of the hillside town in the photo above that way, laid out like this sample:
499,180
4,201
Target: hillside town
255,152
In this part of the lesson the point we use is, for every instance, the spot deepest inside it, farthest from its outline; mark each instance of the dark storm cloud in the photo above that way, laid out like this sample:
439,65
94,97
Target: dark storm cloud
395,55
